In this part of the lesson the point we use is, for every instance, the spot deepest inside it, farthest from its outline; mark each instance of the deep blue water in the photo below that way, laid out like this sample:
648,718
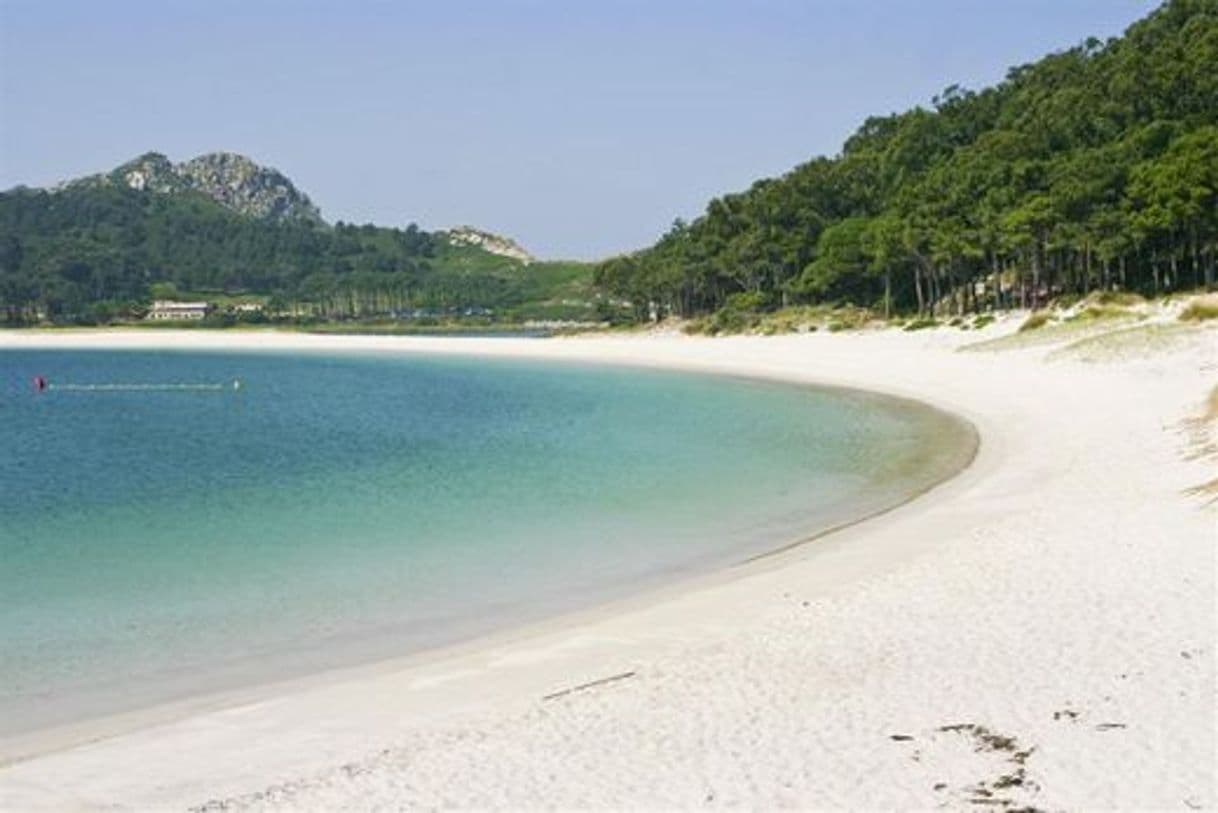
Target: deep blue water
343,508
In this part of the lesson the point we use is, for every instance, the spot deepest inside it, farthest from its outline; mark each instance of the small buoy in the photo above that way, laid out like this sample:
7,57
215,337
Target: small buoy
236,383
40,383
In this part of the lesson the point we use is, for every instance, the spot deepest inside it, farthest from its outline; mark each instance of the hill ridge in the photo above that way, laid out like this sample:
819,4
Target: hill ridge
233,180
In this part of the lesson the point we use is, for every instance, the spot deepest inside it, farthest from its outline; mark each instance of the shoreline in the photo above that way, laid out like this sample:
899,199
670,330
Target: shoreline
502,680
30,744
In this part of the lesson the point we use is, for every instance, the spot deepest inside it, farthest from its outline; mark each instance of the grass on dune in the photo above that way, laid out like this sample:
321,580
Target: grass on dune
1124,343
1201,430
1036,321
1095,313
1200,310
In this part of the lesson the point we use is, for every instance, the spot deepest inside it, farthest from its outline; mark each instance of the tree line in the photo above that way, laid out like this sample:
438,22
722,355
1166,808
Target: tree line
1093,168
93,252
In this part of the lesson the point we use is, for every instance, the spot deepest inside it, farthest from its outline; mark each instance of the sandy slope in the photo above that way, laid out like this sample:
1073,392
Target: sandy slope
1039,631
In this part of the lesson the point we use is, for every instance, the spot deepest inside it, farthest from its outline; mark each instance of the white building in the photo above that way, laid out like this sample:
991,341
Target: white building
163,310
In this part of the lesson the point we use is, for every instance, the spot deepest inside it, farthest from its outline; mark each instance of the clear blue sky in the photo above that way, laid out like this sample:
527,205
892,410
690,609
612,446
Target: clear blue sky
580,128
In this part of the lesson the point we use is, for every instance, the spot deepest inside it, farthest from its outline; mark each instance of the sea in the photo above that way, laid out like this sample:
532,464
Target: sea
178,523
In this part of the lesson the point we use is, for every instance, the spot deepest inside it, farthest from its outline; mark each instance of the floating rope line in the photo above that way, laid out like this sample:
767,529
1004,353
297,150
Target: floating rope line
41,385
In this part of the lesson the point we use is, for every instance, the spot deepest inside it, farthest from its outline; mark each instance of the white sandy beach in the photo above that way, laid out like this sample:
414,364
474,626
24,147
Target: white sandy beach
1038,631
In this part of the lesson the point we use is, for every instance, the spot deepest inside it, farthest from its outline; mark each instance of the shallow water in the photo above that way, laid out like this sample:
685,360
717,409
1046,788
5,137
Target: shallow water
335,509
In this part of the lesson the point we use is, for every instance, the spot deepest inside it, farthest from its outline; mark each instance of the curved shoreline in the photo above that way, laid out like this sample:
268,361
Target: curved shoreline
1023,586
31,744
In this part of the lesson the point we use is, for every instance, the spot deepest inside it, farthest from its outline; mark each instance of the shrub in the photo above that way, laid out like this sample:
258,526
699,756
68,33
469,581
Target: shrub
730,320
850,317
785,320
746,301
921,323
696,327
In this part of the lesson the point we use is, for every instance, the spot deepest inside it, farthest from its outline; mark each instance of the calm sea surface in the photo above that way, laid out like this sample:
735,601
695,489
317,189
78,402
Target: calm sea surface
338,509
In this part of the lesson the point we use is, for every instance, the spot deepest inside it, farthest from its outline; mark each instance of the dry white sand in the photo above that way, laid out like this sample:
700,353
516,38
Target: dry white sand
1038,631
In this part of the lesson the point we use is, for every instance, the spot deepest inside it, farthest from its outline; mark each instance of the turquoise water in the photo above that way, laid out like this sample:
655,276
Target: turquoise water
338,509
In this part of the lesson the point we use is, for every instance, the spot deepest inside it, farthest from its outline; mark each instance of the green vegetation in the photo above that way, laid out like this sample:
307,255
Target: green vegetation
95,253
463,327
1093,313
921,323
1094,168
1121,298
747,314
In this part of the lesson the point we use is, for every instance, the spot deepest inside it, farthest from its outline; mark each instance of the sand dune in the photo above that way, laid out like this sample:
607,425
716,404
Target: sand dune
1038,631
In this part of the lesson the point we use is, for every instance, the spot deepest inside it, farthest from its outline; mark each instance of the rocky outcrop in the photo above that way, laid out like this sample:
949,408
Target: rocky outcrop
237,183
234,181
491,243
151,171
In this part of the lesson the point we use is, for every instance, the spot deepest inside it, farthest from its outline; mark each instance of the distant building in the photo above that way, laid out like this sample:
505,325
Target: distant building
163,310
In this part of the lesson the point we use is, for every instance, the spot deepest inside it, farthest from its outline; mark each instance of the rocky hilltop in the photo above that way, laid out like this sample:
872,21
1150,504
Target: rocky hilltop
234,181
490,243
247,188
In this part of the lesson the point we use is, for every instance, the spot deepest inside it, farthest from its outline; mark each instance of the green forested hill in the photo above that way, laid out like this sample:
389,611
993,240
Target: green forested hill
96,249
1094,167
